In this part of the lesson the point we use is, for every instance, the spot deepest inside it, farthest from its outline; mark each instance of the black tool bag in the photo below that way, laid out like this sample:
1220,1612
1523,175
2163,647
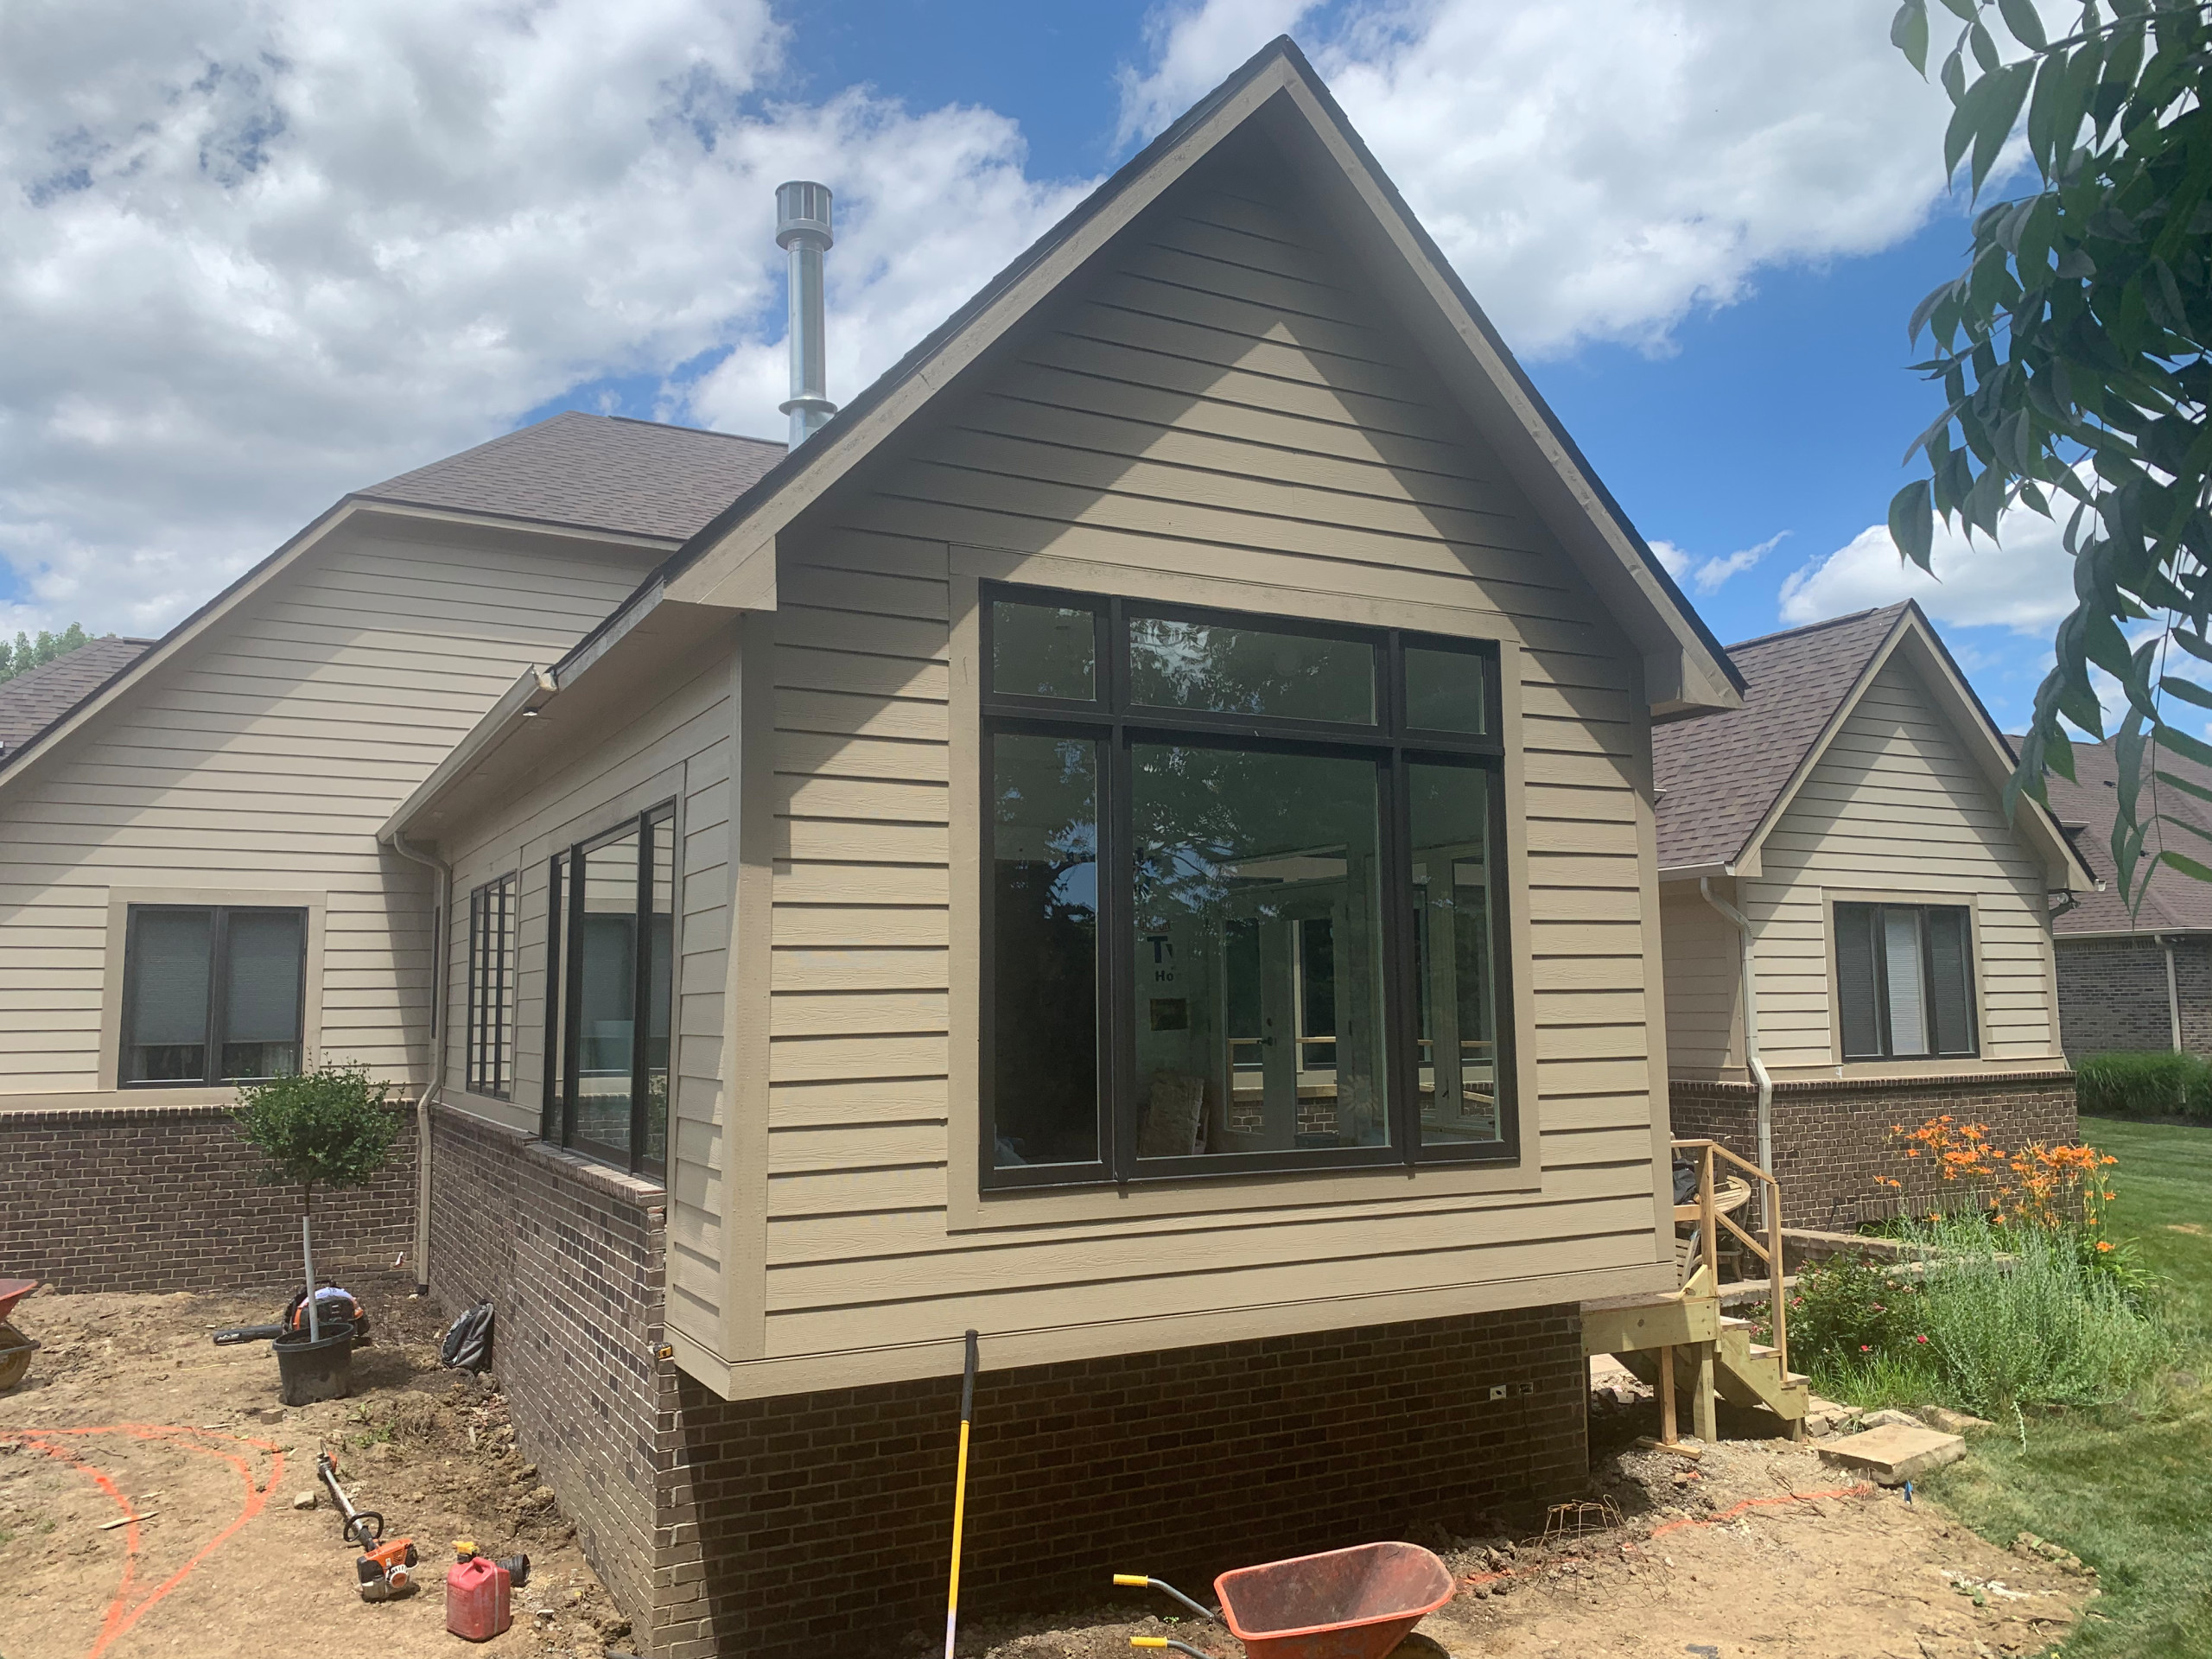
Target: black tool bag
468,1344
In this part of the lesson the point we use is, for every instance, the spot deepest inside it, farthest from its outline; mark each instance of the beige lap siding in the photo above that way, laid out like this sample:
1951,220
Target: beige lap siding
1704,986
1224,419
1896,807
265,758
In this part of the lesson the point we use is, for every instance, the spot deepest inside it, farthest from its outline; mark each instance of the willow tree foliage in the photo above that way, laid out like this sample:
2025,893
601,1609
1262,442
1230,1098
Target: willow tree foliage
2072,356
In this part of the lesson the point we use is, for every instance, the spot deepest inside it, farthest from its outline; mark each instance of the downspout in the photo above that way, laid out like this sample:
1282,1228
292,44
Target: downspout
436,1085
1752,1063
2173,993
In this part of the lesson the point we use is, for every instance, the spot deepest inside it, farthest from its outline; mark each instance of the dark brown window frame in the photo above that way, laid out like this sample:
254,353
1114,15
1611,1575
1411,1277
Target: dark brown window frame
1113,722
218,990
564,988
489,1046
1880,969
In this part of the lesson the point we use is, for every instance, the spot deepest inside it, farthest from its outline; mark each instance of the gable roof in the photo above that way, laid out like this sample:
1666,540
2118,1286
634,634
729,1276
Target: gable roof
36,698
594,475
1725,779
593,472
2086,807
730,562
1719,775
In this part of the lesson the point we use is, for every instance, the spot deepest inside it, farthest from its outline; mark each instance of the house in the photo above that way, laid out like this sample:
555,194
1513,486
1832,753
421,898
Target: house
35,699
1135,838
1855,935
2138,979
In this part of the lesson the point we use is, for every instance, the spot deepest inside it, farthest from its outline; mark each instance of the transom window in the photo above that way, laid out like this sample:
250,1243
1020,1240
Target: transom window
492,924
610,960
1904,980
211,993
1243,907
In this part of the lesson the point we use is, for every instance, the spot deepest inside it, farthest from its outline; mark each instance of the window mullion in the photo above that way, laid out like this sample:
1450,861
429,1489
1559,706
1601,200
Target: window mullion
641,971
1117,854
572,995
219,985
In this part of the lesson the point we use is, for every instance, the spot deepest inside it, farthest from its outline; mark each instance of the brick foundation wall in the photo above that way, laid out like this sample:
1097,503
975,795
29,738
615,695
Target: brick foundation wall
568,1253
817,1524
2112,995
164,1197
1832,1137
822,1521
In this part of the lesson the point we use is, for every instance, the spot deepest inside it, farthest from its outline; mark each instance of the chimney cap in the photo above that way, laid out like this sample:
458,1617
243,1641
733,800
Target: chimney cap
803,211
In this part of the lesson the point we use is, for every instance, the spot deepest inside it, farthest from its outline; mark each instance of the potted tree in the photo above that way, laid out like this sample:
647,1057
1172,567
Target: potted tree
330,1126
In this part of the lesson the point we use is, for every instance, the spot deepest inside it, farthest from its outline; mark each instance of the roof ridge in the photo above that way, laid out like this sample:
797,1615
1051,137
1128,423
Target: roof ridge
676,426
1814,627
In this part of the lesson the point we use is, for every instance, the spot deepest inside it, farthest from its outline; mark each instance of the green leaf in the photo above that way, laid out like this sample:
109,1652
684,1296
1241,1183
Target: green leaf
2188,748
2020,17
1954,75
1909,34
2175,780
2188,866
2187,690
1999,107
1963,8
1985,50
1912,525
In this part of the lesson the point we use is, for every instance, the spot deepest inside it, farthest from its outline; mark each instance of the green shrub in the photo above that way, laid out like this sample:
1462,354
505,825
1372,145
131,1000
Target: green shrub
2146,1083
330,1126
1997,1318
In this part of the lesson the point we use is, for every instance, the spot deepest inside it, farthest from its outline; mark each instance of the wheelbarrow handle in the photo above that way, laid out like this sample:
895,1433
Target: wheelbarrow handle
1168,1642
1138,1581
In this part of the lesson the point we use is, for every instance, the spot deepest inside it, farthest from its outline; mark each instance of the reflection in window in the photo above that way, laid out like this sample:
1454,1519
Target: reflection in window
1904,984
1454,953
1256,883
1444,691
1044,905
1242,670
211,993
1043,650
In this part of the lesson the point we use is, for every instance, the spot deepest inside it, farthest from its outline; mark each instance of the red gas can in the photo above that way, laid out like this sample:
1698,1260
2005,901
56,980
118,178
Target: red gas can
476,1595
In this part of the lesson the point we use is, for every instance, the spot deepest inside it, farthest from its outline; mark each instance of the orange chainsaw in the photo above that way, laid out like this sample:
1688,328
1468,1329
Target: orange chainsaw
385,1566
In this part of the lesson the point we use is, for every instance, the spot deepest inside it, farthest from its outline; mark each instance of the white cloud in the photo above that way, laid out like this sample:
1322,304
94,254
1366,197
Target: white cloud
1596,168
2024,581
1707,575
254,254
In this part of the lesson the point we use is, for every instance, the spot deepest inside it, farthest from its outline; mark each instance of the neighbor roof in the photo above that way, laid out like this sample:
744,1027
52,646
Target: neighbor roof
721,564
1721,775
2086,807
593,471
36,698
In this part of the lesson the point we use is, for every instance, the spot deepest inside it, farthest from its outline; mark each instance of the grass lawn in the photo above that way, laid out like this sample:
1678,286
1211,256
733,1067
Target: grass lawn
2129,1489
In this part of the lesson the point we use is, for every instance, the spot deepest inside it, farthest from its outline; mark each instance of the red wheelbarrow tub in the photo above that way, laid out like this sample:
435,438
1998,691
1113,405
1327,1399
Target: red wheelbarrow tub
13,1291
1342,1604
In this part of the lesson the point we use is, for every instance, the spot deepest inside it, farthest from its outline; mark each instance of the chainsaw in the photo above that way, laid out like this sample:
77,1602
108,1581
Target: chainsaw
331,1304
385,1566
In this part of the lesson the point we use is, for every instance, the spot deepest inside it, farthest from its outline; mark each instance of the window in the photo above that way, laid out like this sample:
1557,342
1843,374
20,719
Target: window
1243,904
491,988
1904,980
211,993
611,960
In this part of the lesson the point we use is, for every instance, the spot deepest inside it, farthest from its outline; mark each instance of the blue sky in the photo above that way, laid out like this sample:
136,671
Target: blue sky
246,265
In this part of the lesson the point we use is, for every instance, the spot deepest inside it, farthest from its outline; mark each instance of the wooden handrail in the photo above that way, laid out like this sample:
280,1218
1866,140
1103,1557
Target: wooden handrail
1709,1238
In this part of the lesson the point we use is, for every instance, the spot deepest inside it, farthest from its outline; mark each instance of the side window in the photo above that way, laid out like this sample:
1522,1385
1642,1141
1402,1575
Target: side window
491,1041
1904,981
211,993
610,968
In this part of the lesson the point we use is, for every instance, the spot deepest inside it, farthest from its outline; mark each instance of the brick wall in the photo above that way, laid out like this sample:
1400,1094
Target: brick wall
568,1253
2112,995
818,1524
1832,1137
164,1197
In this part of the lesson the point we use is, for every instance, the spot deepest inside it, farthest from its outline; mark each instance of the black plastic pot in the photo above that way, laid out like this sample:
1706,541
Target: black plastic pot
315,1370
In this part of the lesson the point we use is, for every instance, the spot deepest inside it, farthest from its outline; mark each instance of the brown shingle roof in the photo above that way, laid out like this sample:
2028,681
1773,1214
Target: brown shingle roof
1718,775
37,697
2170,899
596,472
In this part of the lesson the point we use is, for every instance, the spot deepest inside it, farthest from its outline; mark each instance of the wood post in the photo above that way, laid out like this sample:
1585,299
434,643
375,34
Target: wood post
1708,1427
1666,1430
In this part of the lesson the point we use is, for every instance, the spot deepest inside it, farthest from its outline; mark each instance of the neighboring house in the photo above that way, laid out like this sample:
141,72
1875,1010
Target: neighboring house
35,699
1136,839
2141,979
1855,935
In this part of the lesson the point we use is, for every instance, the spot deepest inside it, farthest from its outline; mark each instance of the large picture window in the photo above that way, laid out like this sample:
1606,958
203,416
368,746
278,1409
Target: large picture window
211,993
1904,980
610,963
1244,907
492,923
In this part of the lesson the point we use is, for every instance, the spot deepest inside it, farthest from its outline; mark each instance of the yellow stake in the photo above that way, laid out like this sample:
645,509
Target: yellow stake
960,1495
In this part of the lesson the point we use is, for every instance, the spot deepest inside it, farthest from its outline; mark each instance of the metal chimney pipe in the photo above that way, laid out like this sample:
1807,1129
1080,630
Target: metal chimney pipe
802,231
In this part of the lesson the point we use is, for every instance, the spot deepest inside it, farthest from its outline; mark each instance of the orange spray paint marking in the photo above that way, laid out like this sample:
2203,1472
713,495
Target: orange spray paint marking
122,1613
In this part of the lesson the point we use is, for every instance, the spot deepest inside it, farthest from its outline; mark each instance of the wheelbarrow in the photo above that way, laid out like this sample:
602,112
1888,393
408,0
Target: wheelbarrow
15,1348
1343,1604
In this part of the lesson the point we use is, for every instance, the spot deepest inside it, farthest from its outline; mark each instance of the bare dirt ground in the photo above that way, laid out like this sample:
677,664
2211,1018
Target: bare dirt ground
129,1410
